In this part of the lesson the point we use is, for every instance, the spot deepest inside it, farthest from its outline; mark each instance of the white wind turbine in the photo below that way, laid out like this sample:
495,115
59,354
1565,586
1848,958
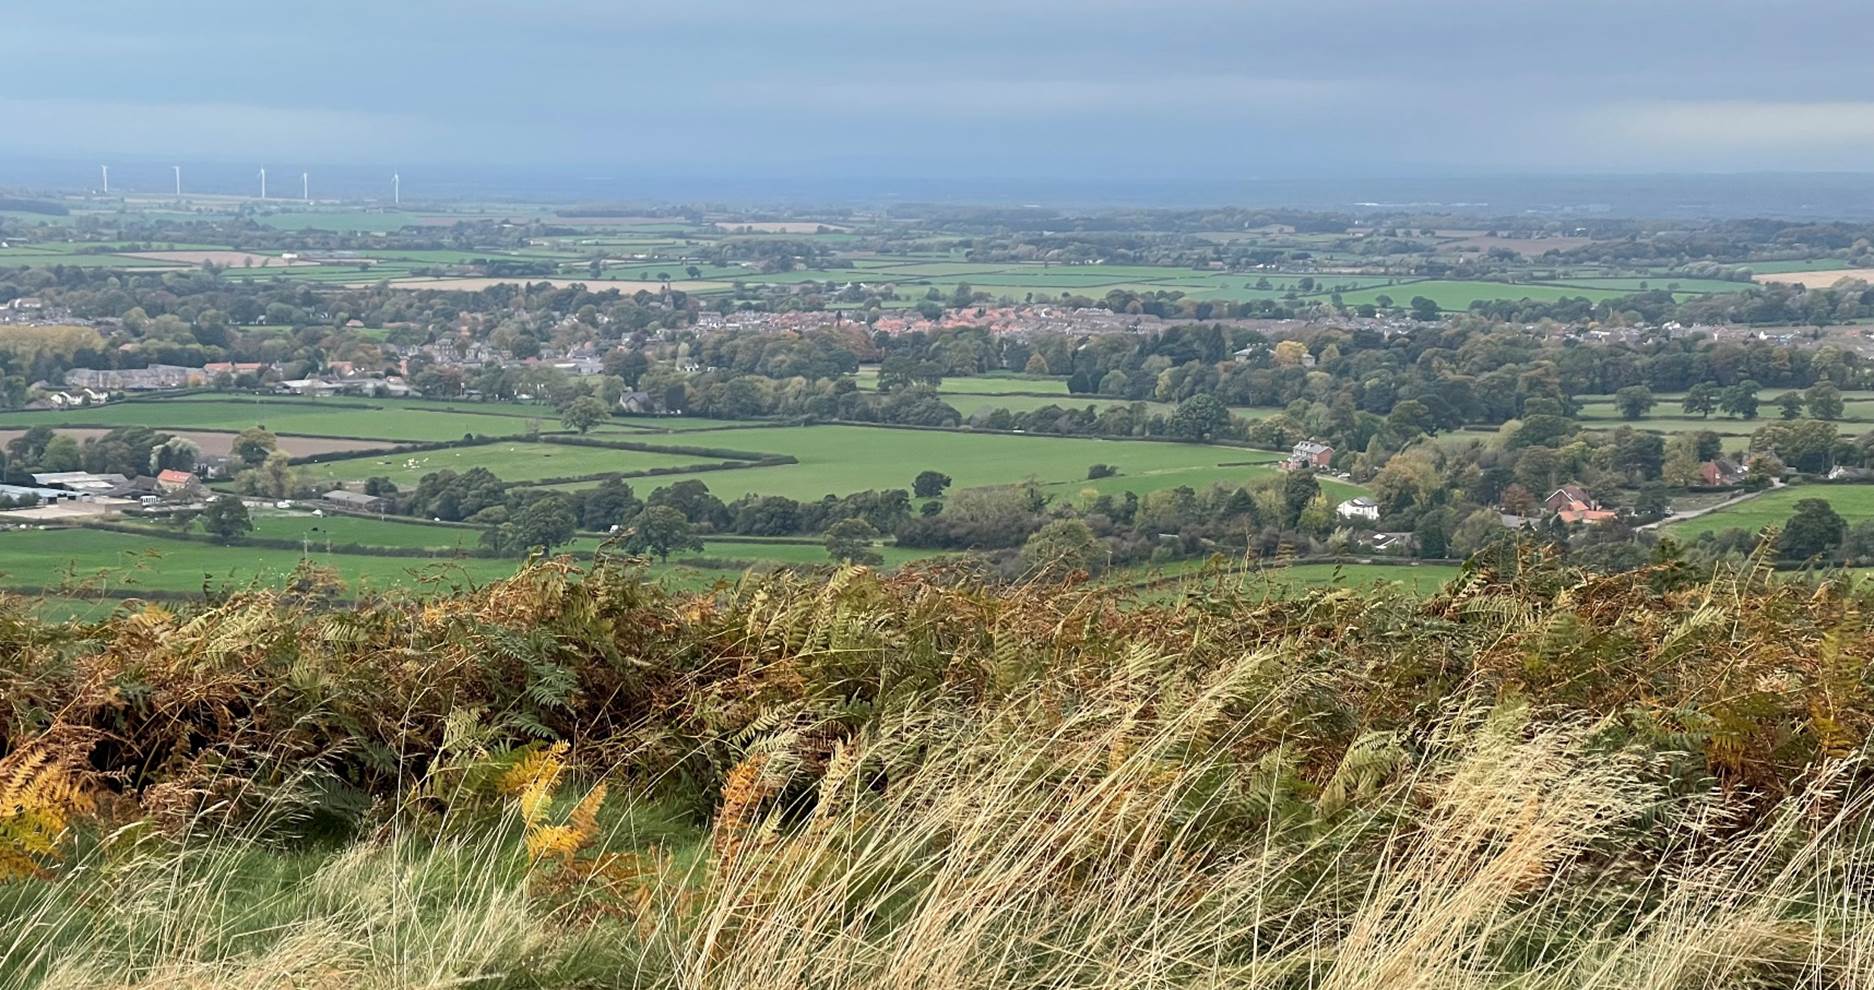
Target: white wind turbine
396,189
178,170
263,183
305,187
105,170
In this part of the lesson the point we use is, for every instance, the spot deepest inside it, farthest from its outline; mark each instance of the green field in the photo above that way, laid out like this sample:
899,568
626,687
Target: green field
1855,503
1598,413
1193,576
407,420
95,562
1231,471
119,562
509,461
338,529
320,532
837,460
1458,295
1675,283
867,377
969,404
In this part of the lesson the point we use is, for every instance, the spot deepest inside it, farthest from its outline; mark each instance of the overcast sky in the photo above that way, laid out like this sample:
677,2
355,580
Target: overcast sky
972,88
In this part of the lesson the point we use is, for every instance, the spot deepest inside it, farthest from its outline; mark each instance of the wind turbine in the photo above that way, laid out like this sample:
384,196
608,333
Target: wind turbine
305,187
106,170
396,189
263,183
178,171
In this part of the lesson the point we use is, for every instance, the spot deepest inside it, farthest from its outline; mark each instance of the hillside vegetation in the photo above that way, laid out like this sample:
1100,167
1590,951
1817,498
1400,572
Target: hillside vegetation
1536,778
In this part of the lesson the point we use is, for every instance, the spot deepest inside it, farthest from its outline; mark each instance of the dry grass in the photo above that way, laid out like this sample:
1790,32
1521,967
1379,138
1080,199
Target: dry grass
1536,780
1819,280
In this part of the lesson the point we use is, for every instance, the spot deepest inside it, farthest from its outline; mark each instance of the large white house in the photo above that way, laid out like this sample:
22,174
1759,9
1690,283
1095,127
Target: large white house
1360,507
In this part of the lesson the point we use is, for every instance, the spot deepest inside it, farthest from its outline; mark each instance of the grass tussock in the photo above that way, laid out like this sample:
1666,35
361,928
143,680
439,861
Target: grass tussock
1539,779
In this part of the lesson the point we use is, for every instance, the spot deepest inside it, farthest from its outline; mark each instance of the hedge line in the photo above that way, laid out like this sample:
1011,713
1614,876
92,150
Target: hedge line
651,472
275,543
473,440
1214,442
722,453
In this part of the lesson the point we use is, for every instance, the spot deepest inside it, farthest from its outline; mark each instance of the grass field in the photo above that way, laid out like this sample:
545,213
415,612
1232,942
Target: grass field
408,420
1855,503
1674,283
509,461
1598,413
969,403
326,531
867,377
119,562
1458,295
837,460
1231,471
96,566
1193,576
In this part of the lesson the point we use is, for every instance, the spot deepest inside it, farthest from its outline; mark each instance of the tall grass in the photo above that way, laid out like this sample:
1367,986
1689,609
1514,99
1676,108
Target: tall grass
1538,780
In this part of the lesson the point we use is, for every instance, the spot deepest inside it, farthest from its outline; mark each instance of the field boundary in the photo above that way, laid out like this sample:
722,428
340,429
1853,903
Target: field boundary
979,431
1164,580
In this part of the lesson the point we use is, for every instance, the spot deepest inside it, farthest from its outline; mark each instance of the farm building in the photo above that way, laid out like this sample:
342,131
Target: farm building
355,501
25,493
82,483
177,482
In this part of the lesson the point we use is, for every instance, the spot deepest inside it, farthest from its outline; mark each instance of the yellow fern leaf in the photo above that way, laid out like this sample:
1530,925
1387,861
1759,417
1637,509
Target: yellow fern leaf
540,767
45,787
584,820
565,841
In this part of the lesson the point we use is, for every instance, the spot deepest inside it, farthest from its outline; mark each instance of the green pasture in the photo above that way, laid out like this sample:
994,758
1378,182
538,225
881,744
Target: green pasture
405,420
1855,503
867,377
1598,412
1654,283
118,562
1233,472
1458,295
354,220
838,460
1192,577
336,530
969,404
511,461
95,571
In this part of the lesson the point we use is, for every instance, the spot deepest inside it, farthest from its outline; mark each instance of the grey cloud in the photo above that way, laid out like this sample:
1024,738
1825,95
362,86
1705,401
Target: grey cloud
967,87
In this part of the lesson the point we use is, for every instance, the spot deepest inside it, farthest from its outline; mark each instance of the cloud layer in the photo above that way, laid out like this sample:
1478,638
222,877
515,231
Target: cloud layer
1030,88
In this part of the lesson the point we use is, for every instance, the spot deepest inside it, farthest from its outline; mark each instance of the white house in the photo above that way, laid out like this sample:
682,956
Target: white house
1358,508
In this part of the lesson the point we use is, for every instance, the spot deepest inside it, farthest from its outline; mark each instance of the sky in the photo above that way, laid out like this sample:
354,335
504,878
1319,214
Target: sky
1035,89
